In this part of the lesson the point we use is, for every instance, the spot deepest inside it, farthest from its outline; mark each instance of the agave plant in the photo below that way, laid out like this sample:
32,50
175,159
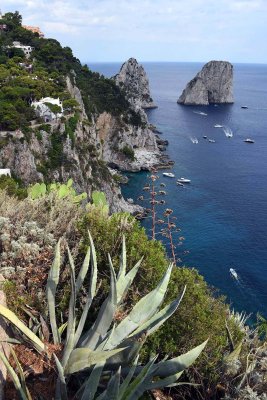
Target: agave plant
106,347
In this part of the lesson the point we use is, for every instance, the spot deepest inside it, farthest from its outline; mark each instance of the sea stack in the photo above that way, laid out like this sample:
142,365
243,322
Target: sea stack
213,84
133,78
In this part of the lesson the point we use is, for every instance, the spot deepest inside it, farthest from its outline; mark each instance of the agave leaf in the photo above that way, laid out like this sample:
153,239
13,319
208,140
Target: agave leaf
141,312
23,395
11,317
169,381
61,329
62,382
72,302
125,282
122,270
83,270
21,374
52,282
178,364
69,346
159,318
133,347
135,389
112,391
83,358
234,354
104,317
92,382
128,379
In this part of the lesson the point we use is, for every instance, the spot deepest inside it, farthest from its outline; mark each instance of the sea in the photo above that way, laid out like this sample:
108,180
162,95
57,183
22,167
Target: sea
222,213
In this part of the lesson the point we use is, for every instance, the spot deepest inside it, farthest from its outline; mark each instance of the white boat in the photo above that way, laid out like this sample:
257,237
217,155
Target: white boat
218,126
211,140
248,140
200,112
233,273
169,174
183,180
180,183
194,140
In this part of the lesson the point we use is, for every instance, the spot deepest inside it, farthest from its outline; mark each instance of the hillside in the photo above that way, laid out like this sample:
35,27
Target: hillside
59,120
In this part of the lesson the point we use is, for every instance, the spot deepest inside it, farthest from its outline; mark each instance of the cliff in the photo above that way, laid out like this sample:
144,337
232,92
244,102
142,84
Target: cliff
133,79
99,128
213,84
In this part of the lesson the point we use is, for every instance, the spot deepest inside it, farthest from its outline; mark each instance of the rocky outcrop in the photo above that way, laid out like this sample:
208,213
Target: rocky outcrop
213,84
133,79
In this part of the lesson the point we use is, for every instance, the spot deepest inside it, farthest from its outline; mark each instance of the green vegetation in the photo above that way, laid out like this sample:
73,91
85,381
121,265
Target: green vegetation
101,347
12,187
128,152
51,63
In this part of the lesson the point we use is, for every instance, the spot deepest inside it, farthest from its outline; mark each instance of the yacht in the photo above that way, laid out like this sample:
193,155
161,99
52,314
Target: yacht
248,140
233,273
183,180
218,126
169,174
244,107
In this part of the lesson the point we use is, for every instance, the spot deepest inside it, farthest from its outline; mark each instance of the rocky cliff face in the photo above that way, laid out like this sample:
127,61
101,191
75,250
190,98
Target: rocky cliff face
213,84
132,77
84,156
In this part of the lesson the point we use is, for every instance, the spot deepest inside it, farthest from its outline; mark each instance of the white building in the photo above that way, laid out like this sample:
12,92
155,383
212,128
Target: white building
26,49
5,171
43,110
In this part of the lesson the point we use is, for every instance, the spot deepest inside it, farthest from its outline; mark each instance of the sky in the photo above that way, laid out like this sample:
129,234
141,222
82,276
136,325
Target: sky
152,30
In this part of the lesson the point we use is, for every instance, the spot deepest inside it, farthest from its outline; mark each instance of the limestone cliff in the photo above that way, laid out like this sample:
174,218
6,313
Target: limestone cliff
133,79
213,84
50,153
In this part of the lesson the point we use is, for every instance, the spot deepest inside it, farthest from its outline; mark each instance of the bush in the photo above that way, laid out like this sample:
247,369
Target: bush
128,152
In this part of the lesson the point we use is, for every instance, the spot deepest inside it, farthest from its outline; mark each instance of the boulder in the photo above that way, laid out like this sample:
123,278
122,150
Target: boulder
213,84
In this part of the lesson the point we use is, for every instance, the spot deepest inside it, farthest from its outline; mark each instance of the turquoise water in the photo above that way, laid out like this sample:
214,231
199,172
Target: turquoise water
223,212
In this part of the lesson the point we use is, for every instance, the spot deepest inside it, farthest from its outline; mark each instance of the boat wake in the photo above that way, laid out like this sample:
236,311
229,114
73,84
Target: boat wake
228,132
200,112
194,140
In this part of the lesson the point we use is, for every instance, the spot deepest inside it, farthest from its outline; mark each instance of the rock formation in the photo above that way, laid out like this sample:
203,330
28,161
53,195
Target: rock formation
213,84
132,77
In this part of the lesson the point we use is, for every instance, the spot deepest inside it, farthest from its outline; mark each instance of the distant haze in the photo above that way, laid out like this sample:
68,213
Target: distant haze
152,30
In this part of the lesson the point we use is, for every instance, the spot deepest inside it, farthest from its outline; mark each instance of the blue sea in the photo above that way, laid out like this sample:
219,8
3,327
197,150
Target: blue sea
222,214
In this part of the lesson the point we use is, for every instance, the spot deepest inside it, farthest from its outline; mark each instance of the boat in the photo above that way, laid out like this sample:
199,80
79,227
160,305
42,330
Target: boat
218,126
180,183
211,140
244,107
233,273
248,140
169,174
194,140
200,112
205,137
183,180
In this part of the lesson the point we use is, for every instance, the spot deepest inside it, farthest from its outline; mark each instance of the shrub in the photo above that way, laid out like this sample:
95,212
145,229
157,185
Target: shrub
128,152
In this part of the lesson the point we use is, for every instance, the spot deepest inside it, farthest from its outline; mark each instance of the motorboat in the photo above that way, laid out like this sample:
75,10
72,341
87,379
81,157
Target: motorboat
211,140
205,137
180,183
218,126
233,273
183,180
169,174
245,107
248,140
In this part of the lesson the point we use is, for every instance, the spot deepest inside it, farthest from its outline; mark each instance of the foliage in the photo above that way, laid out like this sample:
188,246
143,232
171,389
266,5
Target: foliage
60,189
99,200
207,310
12,187
128,152
100,347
